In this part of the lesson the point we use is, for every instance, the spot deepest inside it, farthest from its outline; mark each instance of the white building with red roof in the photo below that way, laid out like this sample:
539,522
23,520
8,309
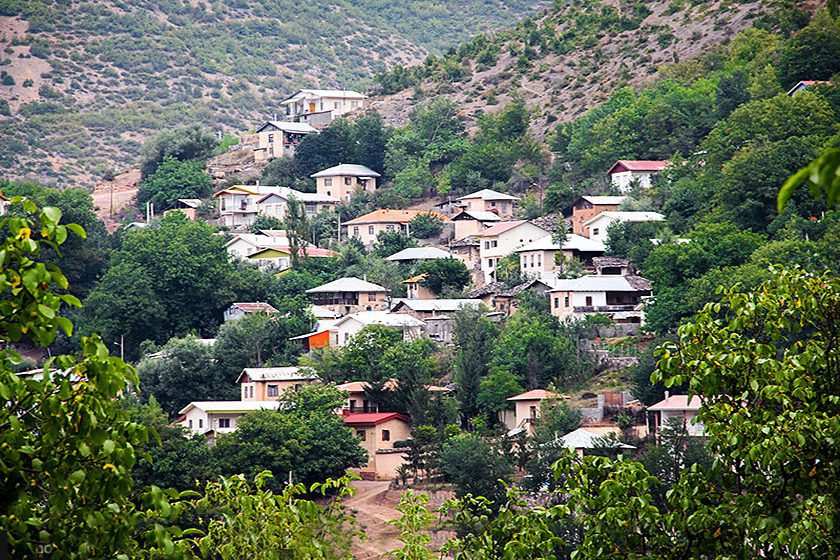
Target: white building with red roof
528,406
502,240
625,172
681,409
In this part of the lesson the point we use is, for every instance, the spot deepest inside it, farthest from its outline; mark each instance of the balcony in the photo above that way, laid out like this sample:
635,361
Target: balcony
604,308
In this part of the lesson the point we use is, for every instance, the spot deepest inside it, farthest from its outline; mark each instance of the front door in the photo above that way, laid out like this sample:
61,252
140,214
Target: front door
312,107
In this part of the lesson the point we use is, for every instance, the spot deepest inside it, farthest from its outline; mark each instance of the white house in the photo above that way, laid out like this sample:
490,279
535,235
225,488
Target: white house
319,107
678,407
472,222
487,200
344,180
528,407
219,417
597,226
624,173
279,138
539,257
619,297
239,205
276,203
412,254
241,245
582,439
349,295
346,328
239,310
503,239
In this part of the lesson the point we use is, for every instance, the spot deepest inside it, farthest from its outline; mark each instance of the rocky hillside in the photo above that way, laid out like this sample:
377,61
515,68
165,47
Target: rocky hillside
83,83
570,58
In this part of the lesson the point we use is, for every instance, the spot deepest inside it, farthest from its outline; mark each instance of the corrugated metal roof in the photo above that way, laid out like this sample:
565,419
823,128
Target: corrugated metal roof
678,402
419,253
573,242
290,373
388,216
478,215
372,418
346,169
289,126
535,395
626,217
446,305
349,284
488,194
605,200
383,318
230,406
640,165
602,283
500,228
255,307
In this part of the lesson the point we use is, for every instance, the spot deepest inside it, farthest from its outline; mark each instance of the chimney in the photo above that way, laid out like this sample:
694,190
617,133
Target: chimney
667,395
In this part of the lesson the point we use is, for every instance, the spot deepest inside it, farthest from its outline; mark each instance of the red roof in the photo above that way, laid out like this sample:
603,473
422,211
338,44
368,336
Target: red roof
638,165
372,418
255,307
678,402
535,395
500,228
386,216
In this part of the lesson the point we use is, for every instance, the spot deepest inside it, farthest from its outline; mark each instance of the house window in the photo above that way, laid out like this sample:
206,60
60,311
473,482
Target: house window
566,301
190,423
360,434
389,228
494,243
533,411
336,104
352,405
311,208
354,104
224,422
486,244
273,391
556,302
270,138
370,230
328,181
588,301
348,181
492,205
200,422
595,231
355,231
532,261
386,435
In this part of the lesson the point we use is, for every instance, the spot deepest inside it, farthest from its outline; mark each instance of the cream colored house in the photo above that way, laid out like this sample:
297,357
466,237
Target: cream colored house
366,228
218,417
587,207
528,406
503,239
239,310
349,295
619,297
487,200
377,432
239,205
624,173
319,107
597,227
343,330
344,180
279,138
265,384
276,204
539,257
472,222
681,408
242,245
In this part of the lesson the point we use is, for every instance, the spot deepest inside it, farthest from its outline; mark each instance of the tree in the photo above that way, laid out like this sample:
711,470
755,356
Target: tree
414,520
183,370
425,226
186,143
334,145
444,275
813,53
285,172
371,136
390,242
474,337
304,437
171,180
297,229
474,467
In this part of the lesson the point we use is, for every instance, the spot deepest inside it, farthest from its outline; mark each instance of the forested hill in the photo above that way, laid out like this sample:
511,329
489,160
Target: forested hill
83,83
571,57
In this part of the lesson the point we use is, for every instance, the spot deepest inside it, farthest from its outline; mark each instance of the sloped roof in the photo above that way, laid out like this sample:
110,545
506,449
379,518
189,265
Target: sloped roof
500,228
255,307
573,242
419,253
487,289
372,418
627,217
584,439
604,200
678,402
285,193
346,169
290,373
384,318
431,305
602,283
230,406
189,202
343,93
468,241
322,312
535,395
488,194
639,165
303,251
478,215
257,240
289,126
348,284
808,83
387,216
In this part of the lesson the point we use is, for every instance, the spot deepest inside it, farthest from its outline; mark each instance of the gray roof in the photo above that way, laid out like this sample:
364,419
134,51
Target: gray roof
478,215
584,439
605,200
601,283
288,126
349,284
431,305
343,93
489,194
231,406
385,318
346,169
468,241
627,217
290,373
573,242
419,253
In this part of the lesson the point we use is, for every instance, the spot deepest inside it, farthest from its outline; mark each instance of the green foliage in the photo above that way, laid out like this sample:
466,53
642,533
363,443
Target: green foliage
813,53
631,240
444,275
304,437
474,467
188,143
171,180
425,226
475,338
414,520
390,242
822,176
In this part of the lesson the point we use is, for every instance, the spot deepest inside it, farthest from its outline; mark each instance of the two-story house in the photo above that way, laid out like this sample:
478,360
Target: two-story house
343,330
587,207
276,204
268,383
239,205
680,409
319,107
212,418
377,433
366,228
279,138
597,227
503,239
242,245
487,200
349,295
619,297
344,180
528,407
472,222
624,173
540,256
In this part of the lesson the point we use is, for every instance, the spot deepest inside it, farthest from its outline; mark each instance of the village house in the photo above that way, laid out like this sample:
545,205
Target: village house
319,107
487,200
426,308
268,383
366,228
613,266
239,310
239,205
540,256
187,206
212,418
415,289
587,207
501,299
414,254
618,297
678,408
597,227
472,222
527,408
279,138
584,439
320,335
349,295
344,329
279,258
624,174
377,432
344,180
467,250
357,396
241,245
806,84
503,239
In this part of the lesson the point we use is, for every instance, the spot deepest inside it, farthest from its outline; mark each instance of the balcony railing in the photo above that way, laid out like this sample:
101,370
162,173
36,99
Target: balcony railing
603,308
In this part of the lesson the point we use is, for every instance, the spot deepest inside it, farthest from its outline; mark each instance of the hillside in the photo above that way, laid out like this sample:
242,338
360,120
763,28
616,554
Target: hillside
569,59
85,82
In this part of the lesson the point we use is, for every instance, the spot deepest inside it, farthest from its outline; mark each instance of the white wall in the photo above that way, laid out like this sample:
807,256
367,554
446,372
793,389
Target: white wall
622,180
505,244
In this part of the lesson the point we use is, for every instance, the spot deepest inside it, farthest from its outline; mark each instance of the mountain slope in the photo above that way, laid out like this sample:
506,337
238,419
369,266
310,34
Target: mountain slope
85,82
